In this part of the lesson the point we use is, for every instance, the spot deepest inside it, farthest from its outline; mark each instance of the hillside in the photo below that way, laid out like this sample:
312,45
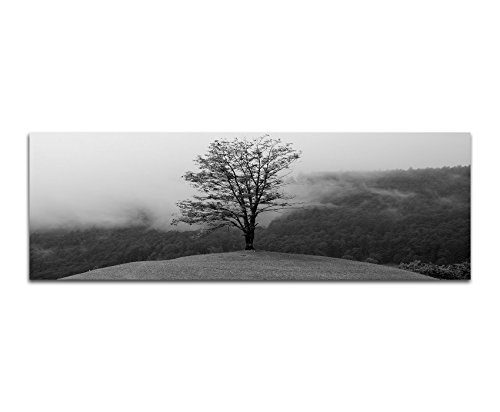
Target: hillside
390,217
242,265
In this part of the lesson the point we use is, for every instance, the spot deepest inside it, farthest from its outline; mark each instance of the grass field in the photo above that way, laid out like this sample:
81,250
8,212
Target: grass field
248,266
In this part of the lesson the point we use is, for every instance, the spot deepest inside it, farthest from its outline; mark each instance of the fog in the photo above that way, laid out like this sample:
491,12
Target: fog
115,179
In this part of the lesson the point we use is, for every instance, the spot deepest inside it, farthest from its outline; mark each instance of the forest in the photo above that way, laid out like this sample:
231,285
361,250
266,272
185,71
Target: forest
386,217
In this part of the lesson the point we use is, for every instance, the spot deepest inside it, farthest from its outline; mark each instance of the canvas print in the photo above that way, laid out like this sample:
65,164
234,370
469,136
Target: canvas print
249,206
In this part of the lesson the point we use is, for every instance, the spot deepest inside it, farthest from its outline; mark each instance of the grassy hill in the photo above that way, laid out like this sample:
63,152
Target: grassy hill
260,265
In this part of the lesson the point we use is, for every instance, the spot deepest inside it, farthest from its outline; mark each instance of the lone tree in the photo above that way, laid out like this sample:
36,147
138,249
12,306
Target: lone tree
238,179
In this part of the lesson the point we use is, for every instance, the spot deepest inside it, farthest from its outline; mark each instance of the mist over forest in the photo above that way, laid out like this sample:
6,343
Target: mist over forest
385,217
119,179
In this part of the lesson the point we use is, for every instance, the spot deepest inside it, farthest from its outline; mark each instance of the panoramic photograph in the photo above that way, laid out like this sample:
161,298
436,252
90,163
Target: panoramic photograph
249,206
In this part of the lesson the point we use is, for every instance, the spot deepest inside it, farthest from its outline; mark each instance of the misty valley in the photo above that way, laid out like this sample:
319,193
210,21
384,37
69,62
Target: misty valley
387,217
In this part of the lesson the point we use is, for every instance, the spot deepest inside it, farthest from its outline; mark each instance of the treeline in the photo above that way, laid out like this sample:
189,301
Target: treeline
382,217
386,217
59,253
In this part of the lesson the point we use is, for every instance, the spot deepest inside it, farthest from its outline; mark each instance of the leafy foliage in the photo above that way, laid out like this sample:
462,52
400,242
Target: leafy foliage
238,180
391,217
58,253
457,271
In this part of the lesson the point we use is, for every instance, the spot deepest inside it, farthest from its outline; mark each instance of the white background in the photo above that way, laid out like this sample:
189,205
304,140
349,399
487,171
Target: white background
249,66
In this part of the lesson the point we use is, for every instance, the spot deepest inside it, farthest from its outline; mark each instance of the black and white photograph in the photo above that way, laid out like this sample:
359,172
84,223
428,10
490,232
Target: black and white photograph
250,206
233,206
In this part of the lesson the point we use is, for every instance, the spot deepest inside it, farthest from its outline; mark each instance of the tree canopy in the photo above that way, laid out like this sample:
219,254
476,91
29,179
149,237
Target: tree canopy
238,180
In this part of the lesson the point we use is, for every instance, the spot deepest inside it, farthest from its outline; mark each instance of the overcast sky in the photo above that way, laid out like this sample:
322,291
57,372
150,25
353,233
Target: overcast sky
103,178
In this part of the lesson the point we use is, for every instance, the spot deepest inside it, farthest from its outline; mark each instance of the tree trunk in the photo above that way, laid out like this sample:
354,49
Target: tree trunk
249,240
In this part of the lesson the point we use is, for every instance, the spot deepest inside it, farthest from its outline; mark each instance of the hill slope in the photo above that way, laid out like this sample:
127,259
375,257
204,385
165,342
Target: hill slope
242,265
